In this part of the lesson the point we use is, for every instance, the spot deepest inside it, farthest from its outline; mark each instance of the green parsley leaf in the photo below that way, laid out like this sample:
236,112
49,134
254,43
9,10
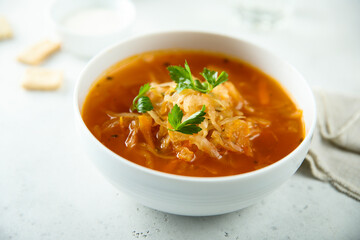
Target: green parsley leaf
189,129
143,90
189,126
210,76
142,103
196,118
175,116
221,79
183,77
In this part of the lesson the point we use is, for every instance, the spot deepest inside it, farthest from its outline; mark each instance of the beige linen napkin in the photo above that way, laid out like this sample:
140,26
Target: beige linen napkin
334,154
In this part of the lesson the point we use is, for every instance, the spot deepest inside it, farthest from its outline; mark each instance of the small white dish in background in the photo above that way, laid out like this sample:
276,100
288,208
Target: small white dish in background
87,26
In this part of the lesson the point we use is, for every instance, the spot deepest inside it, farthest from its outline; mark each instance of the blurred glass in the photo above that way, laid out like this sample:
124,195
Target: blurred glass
264,14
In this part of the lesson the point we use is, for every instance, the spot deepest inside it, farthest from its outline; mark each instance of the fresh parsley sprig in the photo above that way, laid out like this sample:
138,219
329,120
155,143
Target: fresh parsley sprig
183,77
212,78
142,103
189,126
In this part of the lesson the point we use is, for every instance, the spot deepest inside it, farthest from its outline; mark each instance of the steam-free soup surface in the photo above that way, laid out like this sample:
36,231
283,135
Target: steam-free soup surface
275,123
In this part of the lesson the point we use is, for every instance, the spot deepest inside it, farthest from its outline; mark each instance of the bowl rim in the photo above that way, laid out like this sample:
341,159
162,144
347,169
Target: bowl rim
192,179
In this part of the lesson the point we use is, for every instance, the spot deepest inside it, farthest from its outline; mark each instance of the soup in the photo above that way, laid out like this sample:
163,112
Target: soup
192,113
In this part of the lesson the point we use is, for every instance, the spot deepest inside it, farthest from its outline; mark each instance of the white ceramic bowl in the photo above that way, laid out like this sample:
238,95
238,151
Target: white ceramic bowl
88,44
195,196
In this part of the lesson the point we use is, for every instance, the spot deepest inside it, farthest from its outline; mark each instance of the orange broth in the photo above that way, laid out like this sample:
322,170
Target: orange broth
116,88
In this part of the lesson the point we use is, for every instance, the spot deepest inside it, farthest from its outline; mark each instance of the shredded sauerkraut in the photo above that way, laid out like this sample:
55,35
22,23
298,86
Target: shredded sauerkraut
225,127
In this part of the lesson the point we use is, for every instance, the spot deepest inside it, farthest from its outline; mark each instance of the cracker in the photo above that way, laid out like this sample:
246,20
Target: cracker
5,29
39,52
42,79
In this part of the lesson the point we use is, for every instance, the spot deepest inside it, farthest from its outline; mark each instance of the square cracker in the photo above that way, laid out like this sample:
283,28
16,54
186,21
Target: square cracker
42,79
5,29
37,53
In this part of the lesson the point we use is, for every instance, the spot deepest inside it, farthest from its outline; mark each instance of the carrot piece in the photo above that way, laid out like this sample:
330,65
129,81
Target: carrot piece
121,121
145,123
263,92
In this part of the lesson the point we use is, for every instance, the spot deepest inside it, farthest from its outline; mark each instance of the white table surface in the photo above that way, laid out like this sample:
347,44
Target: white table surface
49,189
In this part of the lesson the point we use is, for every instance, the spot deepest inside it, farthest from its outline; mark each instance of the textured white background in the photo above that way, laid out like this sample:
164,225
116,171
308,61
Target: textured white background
49,190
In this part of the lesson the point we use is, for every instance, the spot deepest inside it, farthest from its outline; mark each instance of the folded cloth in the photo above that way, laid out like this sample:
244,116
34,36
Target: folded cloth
334,152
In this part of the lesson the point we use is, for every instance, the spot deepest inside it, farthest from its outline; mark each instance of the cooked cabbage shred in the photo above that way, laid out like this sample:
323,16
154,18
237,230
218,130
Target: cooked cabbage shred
224,129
